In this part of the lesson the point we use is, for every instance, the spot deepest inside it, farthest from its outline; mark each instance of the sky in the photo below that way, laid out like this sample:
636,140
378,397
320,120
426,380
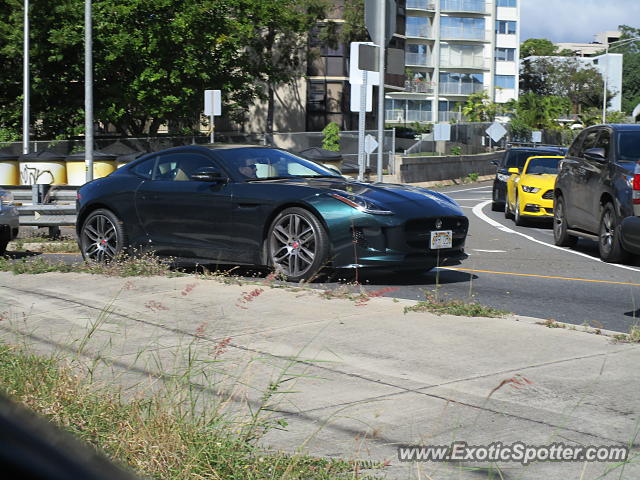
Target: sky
575,20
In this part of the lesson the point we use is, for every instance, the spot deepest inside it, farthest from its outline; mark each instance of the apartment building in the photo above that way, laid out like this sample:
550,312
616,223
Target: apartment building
454,48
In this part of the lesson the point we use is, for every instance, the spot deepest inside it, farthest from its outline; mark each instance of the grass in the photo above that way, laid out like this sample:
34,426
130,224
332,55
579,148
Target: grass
157,436
632,337
460,308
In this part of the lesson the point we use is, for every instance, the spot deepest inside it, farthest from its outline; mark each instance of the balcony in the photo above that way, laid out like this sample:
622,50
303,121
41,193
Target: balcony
417,59
472,63
404,116
421,5
466,6
448,116
448,88
415,86
421,31
459,33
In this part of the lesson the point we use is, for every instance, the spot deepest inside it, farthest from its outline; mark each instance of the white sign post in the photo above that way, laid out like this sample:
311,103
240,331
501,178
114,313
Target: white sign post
212,107
362,82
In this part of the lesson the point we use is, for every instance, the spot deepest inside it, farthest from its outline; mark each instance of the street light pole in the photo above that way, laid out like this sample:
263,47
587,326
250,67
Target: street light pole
26,82
382,41
88,91
605,74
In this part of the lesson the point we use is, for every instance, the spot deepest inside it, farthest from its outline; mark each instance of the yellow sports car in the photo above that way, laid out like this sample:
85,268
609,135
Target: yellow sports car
530,192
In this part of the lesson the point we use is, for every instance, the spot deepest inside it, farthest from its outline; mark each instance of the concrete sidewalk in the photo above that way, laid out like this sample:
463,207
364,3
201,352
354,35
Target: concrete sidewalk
355,379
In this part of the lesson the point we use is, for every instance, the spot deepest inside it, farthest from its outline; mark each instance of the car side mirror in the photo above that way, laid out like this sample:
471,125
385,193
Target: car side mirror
210,176
514,170
595,154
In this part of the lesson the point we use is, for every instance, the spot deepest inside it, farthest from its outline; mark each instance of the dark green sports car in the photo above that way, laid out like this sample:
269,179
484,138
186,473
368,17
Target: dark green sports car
267,207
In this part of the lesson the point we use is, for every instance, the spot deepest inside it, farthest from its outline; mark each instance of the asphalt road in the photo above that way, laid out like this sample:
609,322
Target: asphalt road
518,269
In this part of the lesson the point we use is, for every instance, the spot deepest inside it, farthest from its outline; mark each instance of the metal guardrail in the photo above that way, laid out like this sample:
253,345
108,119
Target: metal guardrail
57,208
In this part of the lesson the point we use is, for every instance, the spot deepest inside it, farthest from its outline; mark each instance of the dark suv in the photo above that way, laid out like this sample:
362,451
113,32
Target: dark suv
515,157
597,192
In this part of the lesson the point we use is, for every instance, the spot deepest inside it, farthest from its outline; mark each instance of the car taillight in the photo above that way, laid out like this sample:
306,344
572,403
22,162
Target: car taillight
78,196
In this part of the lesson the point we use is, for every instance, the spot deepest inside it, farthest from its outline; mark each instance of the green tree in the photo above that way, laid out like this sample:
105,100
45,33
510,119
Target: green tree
537,112
630,68
478,108
331,137
564,77
537,47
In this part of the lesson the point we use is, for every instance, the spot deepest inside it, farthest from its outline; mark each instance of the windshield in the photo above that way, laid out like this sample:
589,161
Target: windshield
629,146
265,163
539,166
517,158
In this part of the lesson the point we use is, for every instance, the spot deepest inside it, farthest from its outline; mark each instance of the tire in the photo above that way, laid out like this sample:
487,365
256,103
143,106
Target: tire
102,237
507,211
297,245
560,235
5,237
496,205
517,217
609,236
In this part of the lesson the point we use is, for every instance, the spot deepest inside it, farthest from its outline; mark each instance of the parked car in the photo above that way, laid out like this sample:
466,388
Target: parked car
597,188
268,207
515,157
530,191
9,223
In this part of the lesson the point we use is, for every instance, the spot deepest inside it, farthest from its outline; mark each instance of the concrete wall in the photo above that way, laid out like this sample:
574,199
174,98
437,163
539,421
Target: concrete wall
427,169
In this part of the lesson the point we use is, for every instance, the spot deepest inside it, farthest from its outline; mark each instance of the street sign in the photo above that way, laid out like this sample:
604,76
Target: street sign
368,58
355,98
370,144
395,61
536,137
442,132
355,73
496,131
372,22
212,103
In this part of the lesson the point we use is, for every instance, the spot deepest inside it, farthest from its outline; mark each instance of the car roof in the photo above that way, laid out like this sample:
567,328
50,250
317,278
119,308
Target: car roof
619,126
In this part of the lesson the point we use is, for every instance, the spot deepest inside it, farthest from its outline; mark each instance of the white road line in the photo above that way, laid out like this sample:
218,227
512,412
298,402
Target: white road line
465,190
470,199
477,211
488,251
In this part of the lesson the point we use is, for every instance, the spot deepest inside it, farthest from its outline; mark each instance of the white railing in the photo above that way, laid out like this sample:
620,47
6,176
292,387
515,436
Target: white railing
449,88
472,6
421,4
421,31
460,33
401,115
421,59
474,62
415,86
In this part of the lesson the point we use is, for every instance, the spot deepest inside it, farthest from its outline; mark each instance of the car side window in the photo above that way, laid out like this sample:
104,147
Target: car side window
144,169
604,141
574,149
178,167
589,142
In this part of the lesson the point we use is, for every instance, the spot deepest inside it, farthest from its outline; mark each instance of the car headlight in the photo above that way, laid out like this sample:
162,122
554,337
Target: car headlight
530,189
6,198
503,178
361,204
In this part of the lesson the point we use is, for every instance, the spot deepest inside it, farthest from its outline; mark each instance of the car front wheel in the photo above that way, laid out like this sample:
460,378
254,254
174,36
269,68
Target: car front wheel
609,236
297,245
102,237
560,235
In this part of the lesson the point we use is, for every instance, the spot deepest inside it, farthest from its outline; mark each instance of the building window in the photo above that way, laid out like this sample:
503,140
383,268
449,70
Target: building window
507,3
463,5
505,54
461,83
403,111
462,28
417,27
506,81
506,27
462,56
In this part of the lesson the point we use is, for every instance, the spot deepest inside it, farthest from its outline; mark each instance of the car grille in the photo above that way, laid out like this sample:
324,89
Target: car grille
548,195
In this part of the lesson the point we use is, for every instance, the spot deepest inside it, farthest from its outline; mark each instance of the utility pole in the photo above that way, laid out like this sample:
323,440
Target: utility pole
88,91
382,42
26,82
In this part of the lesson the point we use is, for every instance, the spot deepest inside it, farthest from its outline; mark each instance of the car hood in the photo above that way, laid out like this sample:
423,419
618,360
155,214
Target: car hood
389,195
544,181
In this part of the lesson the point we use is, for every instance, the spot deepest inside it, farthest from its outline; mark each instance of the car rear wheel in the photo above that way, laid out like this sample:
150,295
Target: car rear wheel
560,235
297,245
507,211
102,237
609,236
5,236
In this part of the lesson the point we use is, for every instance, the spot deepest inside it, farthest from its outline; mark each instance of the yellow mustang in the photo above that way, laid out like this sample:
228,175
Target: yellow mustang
530,192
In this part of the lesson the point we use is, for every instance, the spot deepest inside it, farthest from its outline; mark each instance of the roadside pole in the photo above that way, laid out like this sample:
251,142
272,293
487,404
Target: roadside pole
88,91
361,125
381,41
212,109
26,82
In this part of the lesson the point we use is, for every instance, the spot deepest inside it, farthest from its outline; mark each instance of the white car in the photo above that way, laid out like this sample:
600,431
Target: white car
8,220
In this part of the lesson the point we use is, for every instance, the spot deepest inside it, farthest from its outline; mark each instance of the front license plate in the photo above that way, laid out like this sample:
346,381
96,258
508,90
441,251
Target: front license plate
441,239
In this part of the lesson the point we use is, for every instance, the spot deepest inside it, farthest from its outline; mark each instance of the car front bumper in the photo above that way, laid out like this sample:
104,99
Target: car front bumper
533,205
630,234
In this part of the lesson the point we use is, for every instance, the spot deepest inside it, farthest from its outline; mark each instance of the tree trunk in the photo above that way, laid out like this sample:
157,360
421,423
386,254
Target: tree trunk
270,107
